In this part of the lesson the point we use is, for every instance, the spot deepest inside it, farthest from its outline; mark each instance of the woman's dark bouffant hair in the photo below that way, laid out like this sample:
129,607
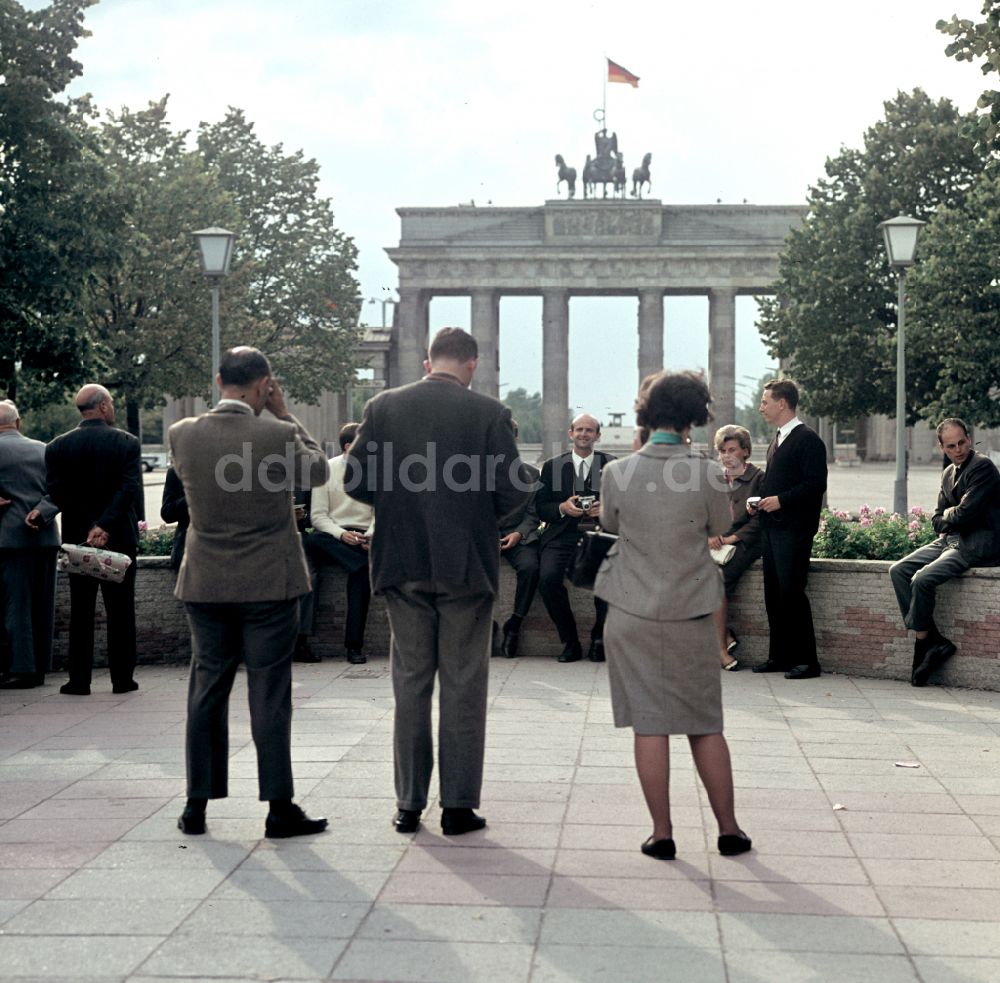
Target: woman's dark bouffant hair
677,400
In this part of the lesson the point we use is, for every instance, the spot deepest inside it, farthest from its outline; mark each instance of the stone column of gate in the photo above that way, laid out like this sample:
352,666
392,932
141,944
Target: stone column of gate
722,355
650,332
485,318
411,334
555,371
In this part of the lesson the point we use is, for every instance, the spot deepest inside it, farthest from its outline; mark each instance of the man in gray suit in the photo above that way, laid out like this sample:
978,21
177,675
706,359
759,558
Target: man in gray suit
240,580
440,466
28,545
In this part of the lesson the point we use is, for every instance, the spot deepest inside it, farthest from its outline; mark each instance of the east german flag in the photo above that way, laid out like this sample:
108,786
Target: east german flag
618,74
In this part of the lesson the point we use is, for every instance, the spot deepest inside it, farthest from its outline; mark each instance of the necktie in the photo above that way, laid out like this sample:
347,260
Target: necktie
773,446
582,474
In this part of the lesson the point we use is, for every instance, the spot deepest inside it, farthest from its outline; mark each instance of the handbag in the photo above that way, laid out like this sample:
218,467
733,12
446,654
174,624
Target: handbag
591,549
724,554
90,561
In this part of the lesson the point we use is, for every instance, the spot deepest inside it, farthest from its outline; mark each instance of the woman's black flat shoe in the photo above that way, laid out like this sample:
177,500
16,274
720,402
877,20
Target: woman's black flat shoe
732,844
660,849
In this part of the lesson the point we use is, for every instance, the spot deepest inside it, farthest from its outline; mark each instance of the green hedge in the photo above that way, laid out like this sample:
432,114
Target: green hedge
873,534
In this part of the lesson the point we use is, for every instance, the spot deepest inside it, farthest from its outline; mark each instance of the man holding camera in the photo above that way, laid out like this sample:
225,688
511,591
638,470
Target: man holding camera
568,501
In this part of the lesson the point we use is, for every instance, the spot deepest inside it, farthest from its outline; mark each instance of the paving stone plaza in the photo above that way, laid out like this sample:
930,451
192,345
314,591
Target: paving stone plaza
862,869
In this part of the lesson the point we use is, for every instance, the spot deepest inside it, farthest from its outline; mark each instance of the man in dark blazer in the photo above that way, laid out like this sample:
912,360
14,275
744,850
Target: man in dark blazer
440,467
93,476
28,545
967,519
568,482
791,498
240,579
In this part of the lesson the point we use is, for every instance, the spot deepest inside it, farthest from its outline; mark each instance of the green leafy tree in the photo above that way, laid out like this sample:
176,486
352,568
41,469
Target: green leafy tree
973,42
301,304
55,223
833,319
148,310
527,410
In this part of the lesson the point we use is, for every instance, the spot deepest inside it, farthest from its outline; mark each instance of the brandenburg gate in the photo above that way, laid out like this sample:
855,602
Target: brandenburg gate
564,249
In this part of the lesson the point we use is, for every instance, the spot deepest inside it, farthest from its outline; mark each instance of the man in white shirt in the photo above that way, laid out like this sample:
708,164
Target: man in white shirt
342,530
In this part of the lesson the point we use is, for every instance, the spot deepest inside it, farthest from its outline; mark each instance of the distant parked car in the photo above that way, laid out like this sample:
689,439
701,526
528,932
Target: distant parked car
149,462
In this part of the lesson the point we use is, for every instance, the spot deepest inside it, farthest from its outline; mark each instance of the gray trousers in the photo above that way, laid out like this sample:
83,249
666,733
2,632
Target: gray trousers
28,596
916,577
261,634
439,631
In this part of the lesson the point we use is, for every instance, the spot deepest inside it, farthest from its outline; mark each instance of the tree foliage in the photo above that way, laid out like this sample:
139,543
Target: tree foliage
301,301
833,319
974,41
527,410
54,219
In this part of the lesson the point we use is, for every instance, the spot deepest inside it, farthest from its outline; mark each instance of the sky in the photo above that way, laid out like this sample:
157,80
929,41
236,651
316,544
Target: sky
441,102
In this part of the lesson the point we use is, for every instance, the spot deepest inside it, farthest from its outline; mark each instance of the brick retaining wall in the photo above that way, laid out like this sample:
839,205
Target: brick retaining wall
858,627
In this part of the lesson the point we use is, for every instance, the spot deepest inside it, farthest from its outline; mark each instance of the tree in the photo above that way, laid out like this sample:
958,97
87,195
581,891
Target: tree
148,309
527,410
301,303
55,223
953,310
833,319
974,41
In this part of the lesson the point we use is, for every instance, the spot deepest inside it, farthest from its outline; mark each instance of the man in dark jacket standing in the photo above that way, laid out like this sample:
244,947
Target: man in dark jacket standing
968,521
791,498
93,476
440,467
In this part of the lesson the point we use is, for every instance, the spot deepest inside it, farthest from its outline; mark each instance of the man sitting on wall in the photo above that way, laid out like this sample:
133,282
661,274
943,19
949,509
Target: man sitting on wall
967,519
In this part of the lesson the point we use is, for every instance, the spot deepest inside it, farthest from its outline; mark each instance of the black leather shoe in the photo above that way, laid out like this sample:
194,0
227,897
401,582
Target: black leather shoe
455,822
304,652
511,641
659,849
572,652
406,820
356,657
74,689
937,655
130,687
192,822
768,666
803,672
294,822
596,651
734,843
22,680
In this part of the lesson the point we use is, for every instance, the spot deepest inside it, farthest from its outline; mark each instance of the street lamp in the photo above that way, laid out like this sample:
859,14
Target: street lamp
383,301
900,235
216,247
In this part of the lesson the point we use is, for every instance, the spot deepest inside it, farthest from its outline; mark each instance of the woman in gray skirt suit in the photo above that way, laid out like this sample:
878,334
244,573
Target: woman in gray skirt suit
662,589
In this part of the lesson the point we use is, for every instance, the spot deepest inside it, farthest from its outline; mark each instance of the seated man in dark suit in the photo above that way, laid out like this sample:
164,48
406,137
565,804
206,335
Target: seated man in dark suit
968,520
342,527
568,496
519,547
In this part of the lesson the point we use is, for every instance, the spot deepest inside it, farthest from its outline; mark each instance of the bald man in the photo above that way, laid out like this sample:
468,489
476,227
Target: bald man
568,497
93,476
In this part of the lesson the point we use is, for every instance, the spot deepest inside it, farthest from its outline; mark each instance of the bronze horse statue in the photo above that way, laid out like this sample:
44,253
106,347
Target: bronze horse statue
619,177
640,176
567,174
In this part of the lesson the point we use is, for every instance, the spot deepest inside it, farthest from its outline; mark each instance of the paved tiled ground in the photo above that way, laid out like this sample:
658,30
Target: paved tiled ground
902,883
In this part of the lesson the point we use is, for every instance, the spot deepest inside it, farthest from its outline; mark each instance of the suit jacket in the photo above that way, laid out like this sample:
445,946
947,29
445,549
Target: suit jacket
173,508
796,473
22,480
93,476
437,462
239,472
968,506
556,484
745,527
664,502
526,522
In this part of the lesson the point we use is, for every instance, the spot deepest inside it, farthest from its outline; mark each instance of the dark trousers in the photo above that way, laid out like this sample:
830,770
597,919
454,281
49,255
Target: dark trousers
119,605
524,559
322,549
789,615
261,634
553,563
442,631
28,579
917,577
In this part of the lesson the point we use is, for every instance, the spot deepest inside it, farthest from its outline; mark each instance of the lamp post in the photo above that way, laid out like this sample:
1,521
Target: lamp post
900,236
216,247
384,301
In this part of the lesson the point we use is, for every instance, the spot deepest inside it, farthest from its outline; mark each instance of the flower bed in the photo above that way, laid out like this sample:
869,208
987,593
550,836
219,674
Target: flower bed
873,534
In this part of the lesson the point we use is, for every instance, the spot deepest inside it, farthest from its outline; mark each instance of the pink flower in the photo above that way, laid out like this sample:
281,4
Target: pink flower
866,521
865,511
914,526
916,510
143,525
880,511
